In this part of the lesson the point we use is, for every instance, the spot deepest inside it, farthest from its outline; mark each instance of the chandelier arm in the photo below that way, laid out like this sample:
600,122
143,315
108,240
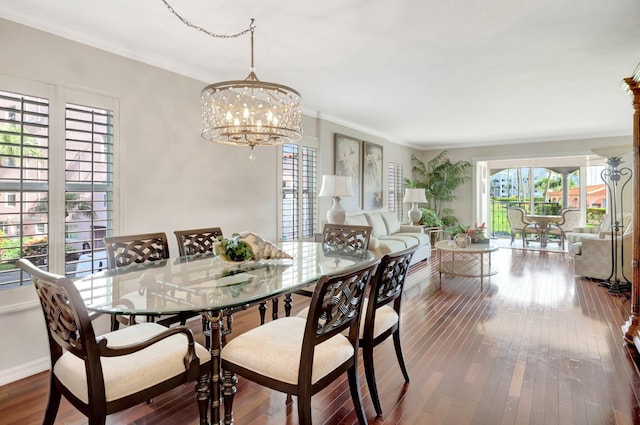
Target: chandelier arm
189,24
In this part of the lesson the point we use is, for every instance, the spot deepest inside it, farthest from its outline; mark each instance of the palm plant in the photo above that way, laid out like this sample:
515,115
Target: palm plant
72,203
440,178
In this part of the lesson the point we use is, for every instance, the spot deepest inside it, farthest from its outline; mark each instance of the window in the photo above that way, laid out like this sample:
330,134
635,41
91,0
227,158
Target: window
394,178
11,199
84,194
24,143
299,192
89,184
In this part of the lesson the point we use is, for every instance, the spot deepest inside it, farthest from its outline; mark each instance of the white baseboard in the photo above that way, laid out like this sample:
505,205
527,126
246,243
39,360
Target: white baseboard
24,370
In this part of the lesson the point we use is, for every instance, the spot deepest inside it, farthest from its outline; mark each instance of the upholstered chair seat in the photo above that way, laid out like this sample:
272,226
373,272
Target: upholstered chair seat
129,374
278,356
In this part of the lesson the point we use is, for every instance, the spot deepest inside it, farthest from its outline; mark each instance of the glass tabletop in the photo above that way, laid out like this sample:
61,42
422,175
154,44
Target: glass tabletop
206,282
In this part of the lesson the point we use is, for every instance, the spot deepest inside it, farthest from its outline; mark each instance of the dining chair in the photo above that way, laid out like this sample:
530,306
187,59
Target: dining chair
101,375
302,356
197,241
571,218
141,248
518,224
339,240
380,318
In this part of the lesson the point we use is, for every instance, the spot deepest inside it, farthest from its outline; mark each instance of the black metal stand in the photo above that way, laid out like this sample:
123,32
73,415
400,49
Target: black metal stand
616,179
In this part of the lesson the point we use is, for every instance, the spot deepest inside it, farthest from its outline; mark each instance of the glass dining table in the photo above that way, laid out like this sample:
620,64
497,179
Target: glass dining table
208,285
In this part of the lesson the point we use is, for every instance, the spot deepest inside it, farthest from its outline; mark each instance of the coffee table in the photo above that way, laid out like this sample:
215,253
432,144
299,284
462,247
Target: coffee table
472,261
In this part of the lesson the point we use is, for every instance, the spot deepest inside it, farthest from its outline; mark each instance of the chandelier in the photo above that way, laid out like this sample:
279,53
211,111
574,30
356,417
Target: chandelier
248,112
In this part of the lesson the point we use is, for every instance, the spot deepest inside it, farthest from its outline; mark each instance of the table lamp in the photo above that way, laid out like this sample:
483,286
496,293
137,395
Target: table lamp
414,196
336,186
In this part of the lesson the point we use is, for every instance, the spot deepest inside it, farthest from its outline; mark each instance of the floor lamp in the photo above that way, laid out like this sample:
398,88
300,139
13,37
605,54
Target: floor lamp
616,177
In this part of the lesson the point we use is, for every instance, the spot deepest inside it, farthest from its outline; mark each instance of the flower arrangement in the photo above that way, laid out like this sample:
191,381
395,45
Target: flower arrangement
476,233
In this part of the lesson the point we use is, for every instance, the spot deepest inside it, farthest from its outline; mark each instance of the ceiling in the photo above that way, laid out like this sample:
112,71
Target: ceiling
425,73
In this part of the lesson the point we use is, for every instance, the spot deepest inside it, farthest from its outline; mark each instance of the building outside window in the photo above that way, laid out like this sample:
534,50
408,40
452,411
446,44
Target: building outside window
86,159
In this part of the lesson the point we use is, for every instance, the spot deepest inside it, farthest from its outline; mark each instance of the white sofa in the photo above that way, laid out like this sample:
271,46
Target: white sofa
389,235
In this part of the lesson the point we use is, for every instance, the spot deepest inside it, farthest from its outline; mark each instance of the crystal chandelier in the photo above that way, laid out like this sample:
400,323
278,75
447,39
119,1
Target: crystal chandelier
248,112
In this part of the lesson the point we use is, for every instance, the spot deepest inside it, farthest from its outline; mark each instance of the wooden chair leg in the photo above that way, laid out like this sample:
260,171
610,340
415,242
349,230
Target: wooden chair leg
354,388
53,404
370,374
400,355
304,409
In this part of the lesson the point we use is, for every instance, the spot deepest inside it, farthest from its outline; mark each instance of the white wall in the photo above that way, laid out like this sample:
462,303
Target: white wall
168,178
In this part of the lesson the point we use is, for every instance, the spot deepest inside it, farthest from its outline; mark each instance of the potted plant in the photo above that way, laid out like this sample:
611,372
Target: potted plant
440,177
432,224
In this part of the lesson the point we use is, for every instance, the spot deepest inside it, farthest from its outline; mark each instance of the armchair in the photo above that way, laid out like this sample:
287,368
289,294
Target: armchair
580,234
595,259
518,224
571,219
100,375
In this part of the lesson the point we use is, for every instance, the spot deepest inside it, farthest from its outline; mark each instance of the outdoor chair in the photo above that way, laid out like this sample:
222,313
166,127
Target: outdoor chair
571,218
519,225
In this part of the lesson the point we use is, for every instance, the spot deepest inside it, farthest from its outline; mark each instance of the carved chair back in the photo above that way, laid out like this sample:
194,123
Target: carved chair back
335,307
68,324
129,249
346,239
197,241
387,285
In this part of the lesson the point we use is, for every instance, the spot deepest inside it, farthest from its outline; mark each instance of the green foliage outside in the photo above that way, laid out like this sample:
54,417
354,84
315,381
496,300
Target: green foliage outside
500,223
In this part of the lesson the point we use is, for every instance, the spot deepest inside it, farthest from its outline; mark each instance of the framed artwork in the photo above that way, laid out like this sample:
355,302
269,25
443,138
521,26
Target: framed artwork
347,162
372,191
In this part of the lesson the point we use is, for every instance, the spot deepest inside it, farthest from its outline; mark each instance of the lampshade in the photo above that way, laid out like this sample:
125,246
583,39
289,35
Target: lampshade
414,195
612,151
336,186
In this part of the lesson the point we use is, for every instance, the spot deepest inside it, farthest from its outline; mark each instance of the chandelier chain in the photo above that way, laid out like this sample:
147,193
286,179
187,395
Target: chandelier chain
196,27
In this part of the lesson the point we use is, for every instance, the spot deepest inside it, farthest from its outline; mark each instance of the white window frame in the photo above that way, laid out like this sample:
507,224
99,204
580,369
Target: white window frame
306,142
58,97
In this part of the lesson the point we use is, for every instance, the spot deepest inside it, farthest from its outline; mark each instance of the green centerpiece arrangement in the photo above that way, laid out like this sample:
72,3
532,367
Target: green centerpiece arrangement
233,249
248,246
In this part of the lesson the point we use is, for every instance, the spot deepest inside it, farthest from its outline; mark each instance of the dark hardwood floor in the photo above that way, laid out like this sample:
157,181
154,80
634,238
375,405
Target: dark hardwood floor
537,346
